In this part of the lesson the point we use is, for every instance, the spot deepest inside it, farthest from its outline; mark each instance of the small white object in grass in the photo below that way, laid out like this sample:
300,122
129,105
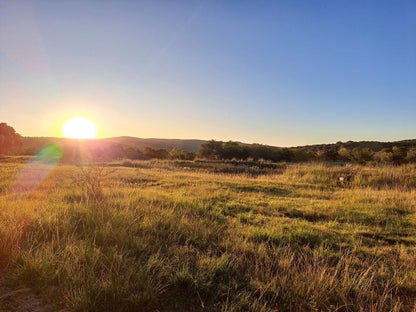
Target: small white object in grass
341,179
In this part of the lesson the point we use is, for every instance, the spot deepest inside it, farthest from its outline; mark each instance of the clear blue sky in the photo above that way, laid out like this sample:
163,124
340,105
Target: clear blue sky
277,72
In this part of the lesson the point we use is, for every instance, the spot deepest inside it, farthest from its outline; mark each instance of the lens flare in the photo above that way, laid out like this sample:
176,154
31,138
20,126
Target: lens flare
79,128
37,169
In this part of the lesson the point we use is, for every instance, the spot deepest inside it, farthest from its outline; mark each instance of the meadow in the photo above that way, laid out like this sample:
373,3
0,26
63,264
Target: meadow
212,236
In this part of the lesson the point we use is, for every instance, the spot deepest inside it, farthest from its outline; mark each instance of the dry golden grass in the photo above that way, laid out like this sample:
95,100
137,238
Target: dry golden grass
178,236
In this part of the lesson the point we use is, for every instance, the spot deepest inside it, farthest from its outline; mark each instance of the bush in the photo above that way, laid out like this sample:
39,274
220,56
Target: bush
91,179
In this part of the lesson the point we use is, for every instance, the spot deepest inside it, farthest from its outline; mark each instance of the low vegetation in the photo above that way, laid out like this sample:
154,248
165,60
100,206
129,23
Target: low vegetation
213,236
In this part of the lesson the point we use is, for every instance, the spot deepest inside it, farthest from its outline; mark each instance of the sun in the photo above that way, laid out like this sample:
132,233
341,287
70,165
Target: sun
79,128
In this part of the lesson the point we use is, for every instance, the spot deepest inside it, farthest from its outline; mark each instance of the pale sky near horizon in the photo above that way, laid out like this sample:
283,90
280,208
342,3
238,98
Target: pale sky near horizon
284,73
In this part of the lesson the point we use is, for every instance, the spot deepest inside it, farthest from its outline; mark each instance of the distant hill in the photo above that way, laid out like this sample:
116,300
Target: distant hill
168,144
32,144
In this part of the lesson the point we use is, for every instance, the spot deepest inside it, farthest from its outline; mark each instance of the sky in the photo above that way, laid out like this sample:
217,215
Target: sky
283,73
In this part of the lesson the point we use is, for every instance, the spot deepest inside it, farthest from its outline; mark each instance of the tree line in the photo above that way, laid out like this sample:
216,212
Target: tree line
331,152
150,153
357,152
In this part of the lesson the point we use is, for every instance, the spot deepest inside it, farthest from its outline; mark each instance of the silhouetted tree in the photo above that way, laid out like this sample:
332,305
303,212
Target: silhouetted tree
399,154
280,154
344,154
327,155
187,155
175,153
384,156
231,150
411,155
362,155
150,153
10,140
300,155
211,150
260,151
183,155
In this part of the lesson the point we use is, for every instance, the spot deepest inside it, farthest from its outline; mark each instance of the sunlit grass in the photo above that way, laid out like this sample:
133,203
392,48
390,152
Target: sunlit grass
174,237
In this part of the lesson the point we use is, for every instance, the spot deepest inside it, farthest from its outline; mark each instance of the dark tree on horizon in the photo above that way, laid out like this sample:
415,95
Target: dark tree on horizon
10,140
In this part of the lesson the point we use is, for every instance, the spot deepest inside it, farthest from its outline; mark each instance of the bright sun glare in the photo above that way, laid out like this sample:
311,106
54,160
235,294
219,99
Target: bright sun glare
79,128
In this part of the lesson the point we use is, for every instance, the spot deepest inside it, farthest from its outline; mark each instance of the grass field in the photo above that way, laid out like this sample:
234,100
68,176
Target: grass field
200,236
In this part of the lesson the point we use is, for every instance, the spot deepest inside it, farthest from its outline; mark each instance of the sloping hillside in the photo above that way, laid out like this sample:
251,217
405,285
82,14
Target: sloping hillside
168,144
32,144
